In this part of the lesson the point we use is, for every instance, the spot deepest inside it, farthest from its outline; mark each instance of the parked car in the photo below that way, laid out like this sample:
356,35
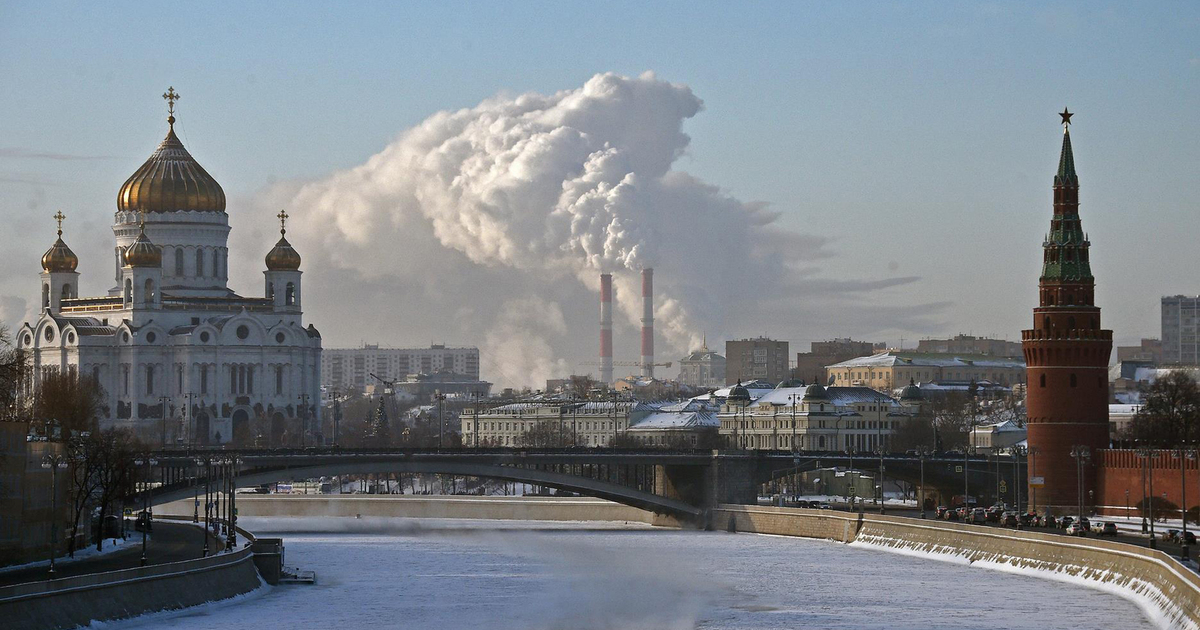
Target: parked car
951,515
1065,522
825,506
1085,523
1029,519
143,522
1048,521
1189,538
941,511
1009,519
978,515
1108,529
1076,529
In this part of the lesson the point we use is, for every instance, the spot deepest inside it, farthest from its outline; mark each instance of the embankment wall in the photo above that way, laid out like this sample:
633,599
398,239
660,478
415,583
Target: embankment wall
408,506
1165,589
77,601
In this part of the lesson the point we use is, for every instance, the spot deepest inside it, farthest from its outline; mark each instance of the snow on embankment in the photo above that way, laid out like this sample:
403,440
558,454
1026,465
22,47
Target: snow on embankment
1167,592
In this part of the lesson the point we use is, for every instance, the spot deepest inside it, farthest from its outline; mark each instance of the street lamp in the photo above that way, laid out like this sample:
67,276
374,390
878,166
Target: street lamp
207,504
54,463
794,398
1081,454
1184,456
1148,456
1032,459
1018,452
922,453
879,450
148,461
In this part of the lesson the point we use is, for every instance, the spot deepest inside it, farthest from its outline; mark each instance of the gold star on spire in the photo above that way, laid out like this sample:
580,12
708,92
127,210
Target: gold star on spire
1066,117
283,217
171,96
59,216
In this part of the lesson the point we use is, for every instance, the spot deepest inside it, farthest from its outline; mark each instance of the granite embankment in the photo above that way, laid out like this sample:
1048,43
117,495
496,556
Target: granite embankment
113,595
1168,591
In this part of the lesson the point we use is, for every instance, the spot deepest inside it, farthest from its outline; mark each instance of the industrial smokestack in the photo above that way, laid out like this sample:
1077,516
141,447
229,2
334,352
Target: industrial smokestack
606,356
648,323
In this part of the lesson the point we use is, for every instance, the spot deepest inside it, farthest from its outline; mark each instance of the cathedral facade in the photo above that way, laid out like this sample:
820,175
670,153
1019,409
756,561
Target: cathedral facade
180,357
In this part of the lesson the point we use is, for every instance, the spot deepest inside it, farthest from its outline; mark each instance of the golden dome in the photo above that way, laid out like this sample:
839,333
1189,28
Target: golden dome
143,253
171,180
59,257
283,257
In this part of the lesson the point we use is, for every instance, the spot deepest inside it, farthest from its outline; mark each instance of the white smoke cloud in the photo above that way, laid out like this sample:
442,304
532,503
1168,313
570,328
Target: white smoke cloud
532,190
519,343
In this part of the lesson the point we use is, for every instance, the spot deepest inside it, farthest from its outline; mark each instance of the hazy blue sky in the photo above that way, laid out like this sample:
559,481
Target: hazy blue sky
916,139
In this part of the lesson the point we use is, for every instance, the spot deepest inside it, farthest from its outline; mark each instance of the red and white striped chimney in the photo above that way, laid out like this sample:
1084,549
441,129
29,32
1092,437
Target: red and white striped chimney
606,356
648,323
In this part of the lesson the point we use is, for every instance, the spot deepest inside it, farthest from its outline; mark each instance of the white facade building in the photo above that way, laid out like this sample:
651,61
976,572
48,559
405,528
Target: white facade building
181,357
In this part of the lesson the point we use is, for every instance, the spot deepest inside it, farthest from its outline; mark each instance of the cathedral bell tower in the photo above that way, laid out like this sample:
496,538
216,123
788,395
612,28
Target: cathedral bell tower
283,272
1066,354
59,279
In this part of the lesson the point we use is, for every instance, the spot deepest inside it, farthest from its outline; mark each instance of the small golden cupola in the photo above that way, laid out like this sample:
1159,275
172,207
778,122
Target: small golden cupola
171,179
283,257
143,253
59,257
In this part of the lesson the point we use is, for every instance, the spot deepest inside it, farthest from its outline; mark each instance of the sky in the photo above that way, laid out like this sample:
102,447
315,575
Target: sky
461,172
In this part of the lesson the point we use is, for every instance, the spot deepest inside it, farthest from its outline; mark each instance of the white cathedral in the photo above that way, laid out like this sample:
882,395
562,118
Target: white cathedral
180,357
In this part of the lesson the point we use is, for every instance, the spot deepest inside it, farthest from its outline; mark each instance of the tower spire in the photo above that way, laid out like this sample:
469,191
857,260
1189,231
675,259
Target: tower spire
59,216
1066,159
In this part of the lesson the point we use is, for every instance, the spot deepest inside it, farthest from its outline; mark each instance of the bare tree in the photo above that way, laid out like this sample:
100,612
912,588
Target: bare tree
115,452
1168,417
14,369
84,478
73,400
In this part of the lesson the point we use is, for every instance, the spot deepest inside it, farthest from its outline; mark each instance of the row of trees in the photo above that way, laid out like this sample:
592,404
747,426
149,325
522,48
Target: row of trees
1169,416
65,408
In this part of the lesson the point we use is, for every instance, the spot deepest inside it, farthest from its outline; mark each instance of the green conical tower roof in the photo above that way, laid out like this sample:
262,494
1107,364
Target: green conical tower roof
1066,163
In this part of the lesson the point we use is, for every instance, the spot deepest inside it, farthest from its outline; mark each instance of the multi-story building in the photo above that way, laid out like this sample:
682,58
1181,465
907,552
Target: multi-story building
967,344
567,422
179,355
702,368
1148,351
1181,330
351,368
888,370
759,358
810,366
816,418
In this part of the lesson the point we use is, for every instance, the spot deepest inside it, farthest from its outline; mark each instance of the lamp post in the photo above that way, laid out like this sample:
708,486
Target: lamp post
922,453
879,450
1018,452
1081,454
1148,455
440,397
163,401
235,463
1184,456
188,412
206,463
1033,453
54,463
148,462
793,398
966,474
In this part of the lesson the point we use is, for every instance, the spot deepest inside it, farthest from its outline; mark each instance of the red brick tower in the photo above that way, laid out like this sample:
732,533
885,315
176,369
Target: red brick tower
1066,353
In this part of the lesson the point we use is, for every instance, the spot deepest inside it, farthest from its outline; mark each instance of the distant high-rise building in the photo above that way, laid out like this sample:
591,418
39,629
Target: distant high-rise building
759,358
1181,330
810,366
1149,351
351,368
967,344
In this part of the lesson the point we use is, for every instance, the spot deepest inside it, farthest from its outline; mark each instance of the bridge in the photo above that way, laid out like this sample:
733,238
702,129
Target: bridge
683,484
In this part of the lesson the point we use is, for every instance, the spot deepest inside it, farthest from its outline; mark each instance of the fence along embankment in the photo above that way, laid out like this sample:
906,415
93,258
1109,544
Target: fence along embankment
1165,589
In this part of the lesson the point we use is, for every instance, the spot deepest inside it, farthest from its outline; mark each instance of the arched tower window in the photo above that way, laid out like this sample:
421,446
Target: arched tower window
45,296
149,294
199,263
1071,323
66,291
1074,381
270,290
128,291
289,296
1042,380
1046,322
216,259
179,261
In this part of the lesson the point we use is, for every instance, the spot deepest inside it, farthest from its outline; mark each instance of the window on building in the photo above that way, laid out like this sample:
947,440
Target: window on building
289,297
203,379
125,380
278,380
179,261
199,262
1073,381
149,379
216,264
1042,380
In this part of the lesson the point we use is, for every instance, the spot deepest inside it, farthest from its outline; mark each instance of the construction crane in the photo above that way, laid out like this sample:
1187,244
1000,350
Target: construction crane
628,364
389,387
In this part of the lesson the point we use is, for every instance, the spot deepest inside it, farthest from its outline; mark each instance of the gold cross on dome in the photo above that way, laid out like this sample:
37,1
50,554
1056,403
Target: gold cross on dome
59,216
171,95
283,217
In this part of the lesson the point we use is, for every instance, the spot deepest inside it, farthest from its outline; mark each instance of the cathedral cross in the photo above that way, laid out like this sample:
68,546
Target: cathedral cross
283,217
171,96
59,216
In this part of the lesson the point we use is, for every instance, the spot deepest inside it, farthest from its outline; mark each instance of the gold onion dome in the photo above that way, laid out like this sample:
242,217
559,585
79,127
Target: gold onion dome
171,179
143,253
59,257
283,257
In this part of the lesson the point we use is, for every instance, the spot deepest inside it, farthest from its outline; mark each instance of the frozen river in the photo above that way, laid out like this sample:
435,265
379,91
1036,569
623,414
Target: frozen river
469,574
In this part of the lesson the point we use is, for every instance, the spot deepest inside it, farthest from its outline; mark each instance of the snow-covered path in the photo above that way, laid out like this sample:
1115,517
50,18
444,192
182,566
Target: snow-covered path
463,574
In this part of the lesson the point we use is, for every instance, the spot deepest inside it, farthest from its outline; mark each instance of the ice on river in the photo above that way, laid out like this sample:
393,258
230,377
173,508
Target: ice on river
532,576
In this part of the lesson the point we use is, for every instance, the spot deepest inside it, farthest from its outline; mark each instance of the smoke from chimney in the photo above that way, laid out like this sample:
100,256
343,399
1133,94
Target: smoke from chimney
606,355
648,323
